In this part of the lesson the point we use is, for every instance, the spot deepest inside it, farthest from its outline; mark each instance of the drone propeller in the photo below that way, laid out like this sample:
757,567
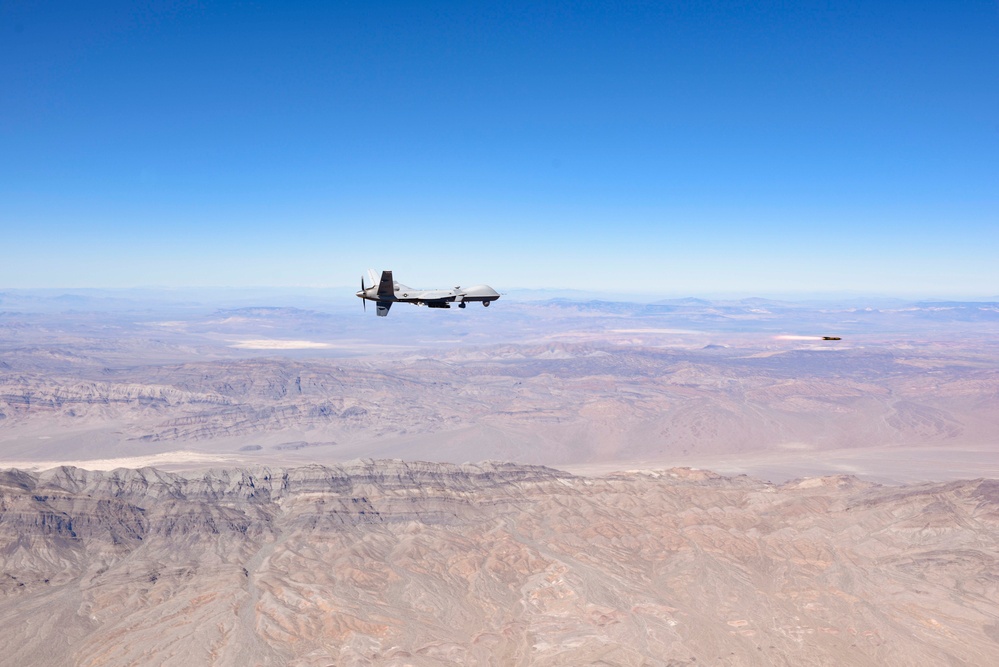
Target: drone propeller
364,302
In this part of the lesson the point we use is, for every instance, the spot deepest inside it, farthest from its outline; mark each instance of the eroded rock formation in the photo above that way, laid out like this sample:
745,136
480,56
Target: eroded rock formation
392,563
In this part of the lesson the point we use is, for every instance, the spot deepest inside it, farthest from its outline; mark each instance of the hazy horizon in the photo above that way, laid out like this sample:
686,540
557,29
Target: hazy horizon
345,293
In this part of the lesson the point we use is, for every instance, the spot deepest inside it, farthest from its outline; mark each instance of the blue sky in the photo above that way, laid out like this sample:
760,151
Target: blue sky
689,148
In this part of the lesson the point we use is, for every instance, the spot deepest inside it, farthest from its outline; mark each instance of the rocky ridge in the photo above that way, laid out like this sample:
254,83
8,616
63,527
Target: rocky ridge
392,563
581,402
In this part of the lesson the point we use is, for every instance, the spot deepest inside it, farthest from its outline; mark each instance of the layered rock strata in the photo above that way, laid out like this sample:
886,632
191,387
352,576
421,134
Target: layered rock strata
393,563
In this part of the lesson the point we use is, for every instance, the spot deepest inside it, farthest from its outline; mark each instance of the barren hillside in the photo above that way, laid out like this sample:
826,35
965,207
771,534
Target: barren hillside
391,563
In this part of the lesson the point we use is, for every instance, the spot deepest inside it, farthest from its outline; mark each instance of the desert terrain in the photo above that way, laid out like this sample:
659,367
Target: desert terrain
746,386
393,563
549,481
